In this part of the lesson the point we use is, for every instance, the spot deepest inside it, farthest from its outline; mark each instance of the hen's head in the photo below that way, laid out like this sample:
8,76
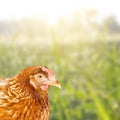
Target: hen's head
40,77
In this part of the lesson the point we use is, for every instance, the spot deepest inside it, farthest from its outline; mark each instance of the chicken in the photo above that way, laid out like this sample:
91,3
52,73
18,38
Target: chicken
25,96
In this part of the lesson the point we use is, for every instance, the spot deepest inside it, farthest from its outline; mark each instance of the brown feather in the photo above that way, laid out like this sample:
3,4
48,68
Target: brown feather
19,100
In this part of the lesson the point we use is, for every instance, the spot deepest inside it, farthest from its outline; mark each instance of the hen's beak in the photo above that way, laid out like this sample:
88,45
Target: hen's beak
53,83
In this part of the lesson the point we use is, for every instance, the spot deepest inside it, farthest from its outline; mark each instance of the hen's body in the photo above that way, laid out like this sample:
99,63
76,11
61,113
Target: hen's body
19,100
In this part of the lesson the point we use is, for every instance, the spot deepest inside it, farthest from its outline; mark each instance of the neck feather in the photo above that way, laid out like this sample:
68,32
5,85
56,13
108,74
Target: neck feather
32,102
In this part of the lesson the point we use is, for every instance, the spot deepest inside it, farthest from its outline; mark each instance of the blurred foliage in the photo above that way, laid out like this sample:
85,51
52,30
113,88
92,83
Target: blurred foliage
88,71
89,74
79,26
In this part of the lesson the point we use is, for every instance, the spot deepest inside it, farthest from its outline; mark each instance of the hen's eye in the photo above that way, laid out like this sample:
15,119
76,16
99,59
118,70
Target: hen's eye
40,76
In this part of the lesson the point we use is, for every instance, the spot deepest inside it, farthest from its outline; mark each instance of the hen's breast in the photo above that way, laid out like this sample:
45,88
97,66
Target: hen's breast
29,110
25,110
22,104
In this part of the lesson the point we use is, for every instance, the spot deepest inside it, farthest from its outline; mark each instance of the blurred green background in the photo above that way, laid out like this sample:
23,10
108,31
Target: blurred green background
83,52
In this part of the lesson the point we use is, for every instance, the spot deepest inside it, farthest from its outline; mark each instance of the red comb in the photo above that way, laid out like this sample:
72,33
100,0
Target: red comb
49,72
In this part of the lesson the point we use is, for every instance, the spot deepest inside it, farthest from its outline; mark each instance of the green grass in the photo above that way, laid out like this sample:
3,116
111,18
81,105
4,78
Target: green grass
89,74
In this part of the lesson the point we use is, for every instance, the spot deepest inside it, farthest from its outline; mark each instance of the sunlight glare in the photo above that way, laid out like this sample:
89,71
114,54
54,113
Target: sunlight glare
53,9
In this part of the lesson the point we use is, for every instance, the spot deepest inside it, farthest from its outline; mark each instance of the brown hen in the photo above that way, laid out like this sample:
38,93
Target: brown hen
25,96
